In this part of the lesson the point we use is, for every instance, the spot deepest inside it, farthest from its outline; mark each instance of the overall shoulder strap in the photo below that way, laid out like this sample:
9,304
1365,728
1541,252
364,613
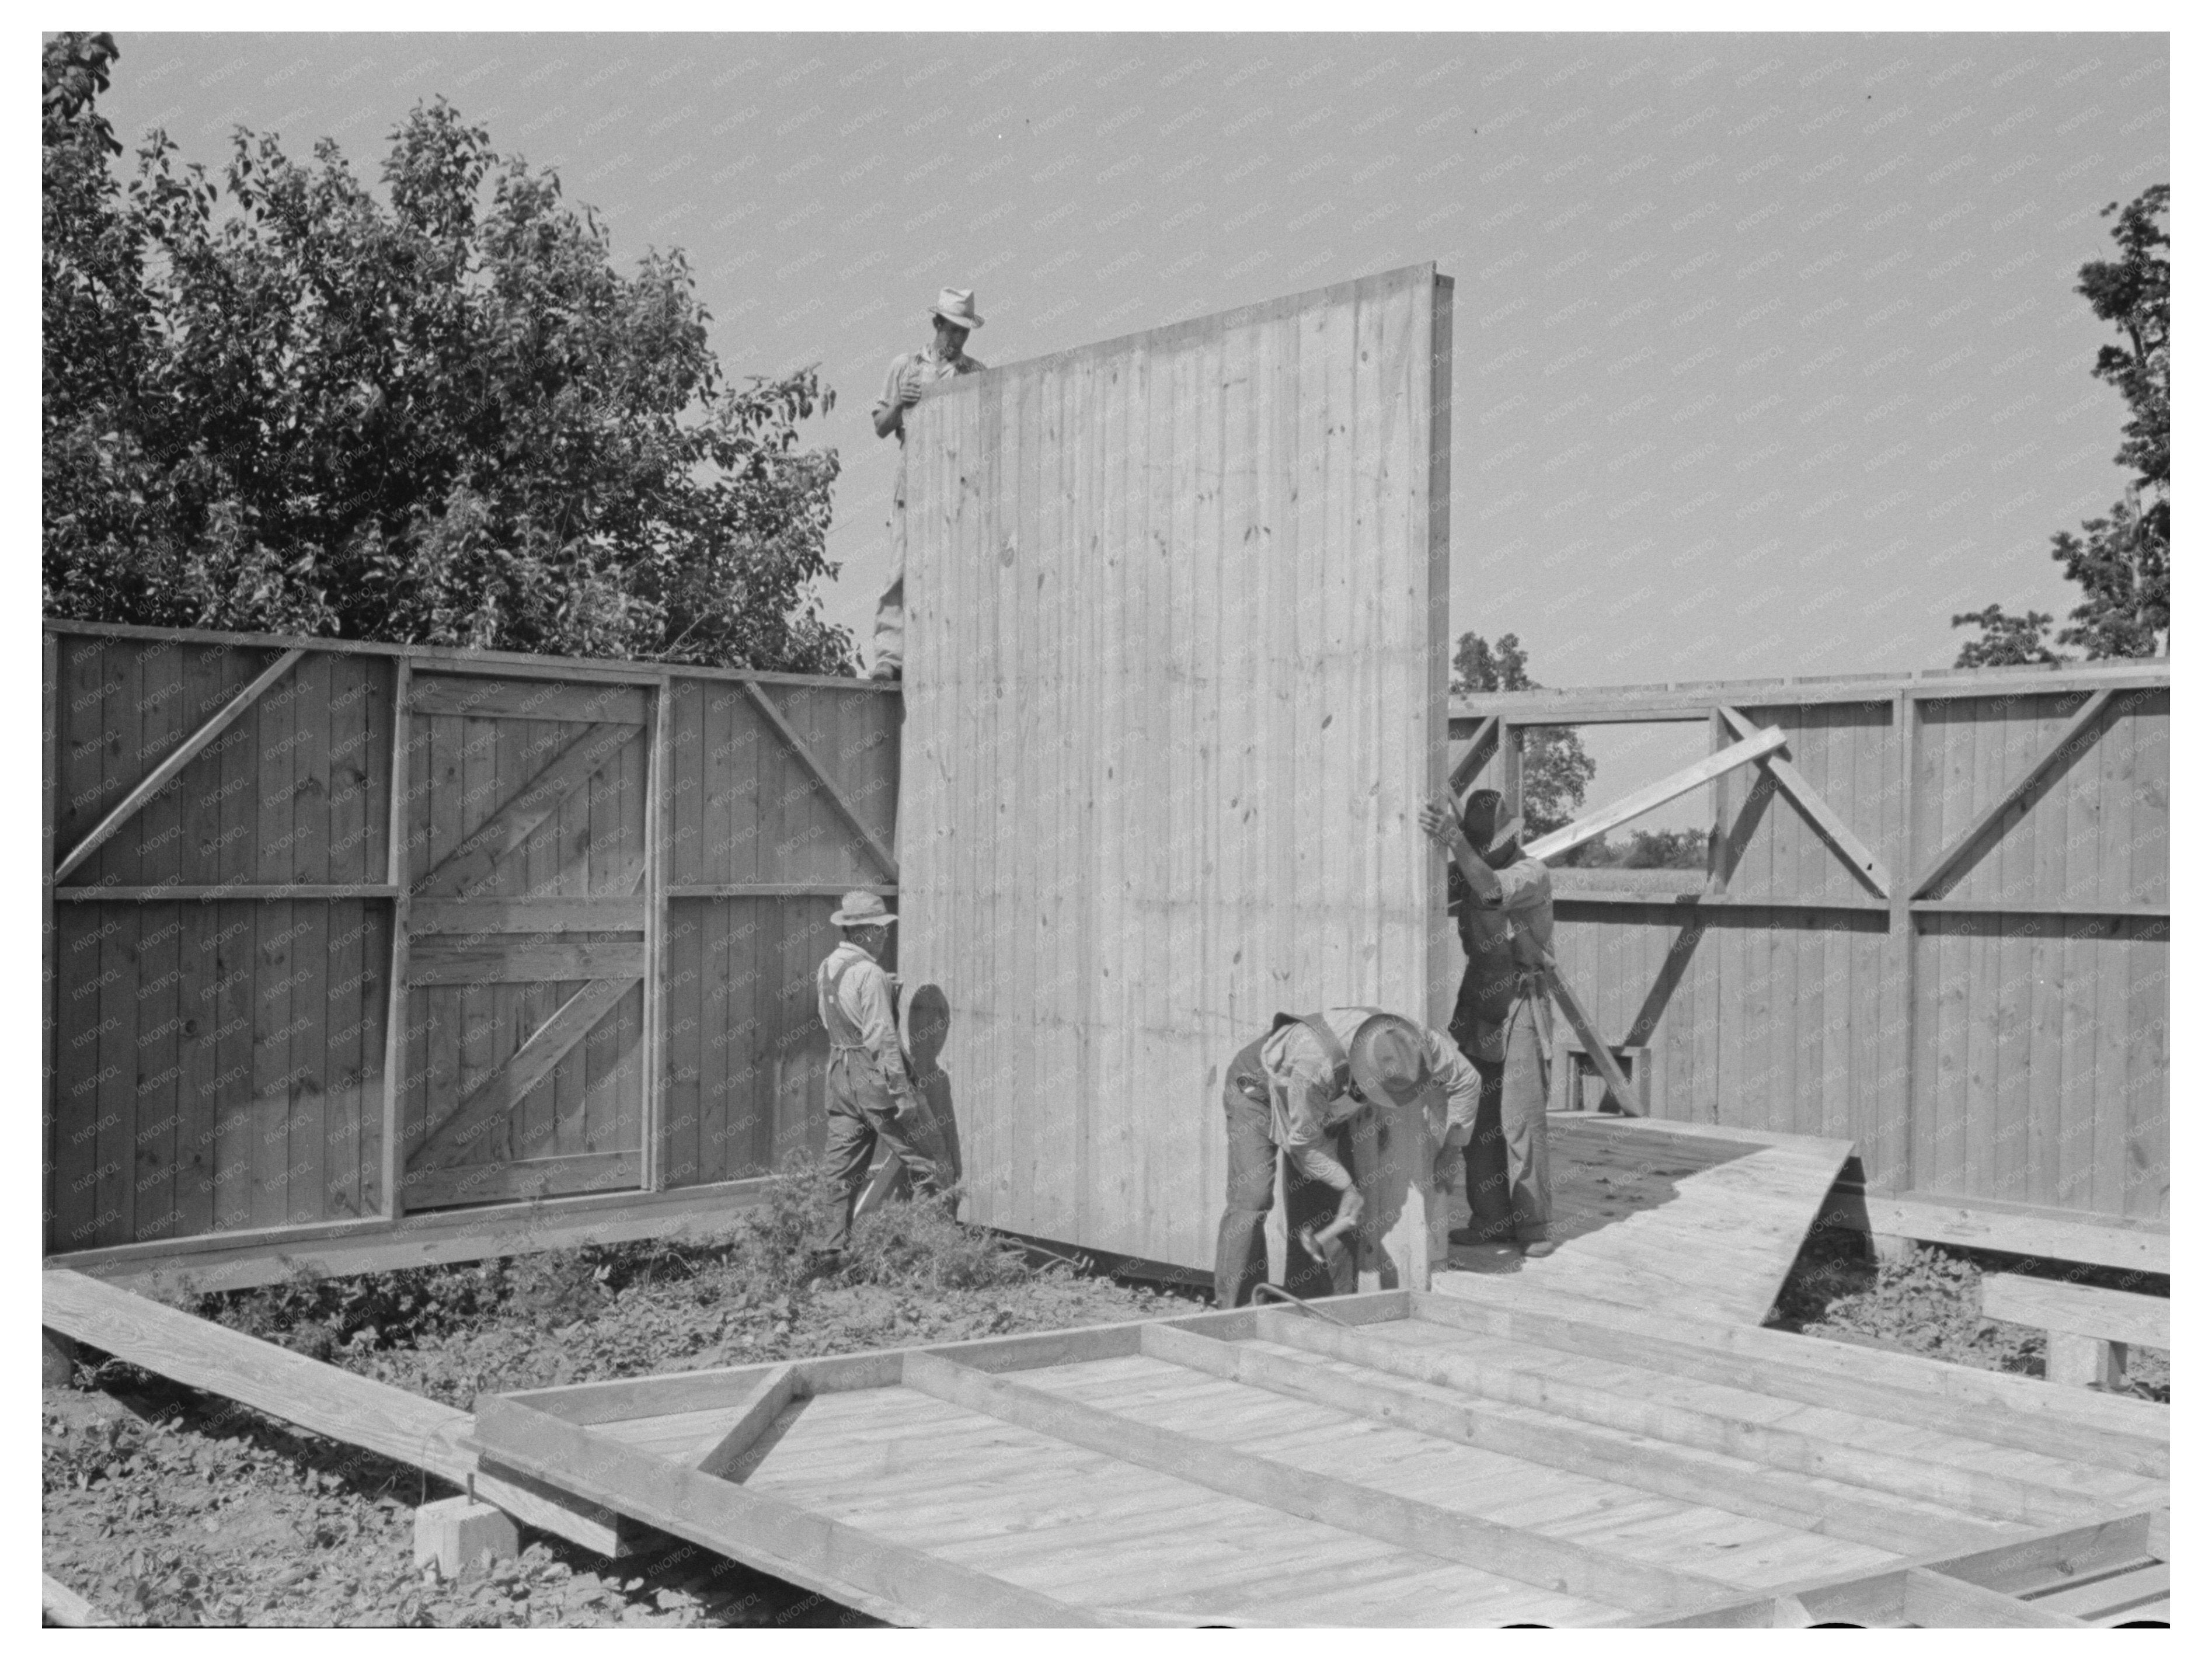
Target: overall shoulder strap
1339,1064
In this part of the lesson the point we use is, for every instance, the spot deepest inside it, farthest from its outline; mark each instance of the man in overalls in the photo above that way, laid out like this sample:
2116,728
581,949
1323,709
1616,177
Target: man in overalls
1502,1020
1300,1089
871,1095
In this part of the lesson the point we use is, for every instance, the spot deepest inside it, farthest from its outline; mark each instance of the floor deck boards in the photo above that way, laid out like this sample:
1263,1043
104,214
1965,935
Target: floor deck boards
910,1472
1665,1216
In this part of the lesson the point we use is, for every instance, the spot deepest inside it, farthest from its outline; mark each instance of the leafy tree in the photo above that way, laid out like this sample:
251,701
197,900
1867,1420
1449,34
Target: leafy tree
1555,770
286,404
2120,561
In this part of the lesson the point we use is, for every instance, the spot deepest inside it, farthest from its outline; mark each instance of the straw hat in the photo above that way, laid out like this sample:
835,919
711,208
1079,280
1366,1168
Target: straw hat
958,307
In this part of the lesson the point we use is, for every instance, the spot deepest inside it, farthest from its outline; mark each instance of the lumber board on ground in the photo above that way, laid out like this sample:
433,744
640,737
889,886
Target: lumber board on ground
243,1258
1454,1535
2084,1311
60,1606
891,1581
357,1411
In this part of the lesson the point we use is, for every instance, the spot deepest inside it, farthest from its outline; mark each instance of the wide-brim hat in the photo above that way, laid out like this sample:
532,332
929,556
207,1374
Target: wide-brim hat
1389,1061
958,307
862,910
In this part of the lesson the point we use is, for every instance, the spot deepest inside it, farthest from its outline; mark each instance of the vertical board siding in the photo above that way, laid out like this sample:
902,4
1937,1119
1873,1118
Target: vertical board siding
1174,693
219,1063
2039,1068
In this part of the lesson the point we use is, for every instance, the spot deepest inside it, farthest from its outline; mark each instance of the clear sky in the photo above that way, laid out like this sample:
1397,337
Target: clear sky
1767,356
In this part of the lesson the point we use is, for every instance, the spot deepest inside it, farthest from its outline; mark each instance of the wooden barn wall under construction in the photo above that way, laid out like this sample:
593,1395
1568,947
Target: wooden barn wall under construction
1176,662
602,889
1986,1012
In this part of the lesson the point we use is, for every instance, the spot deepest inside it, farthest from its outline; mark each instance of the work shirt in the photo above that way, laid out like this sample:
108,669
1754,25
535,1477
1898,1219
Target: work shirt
1306,1108
854,996
1503,938
926,367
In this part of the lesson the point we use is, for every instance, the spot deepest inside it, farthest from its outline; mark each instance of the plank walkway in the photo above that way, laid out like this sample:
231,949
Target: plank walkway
1699,1219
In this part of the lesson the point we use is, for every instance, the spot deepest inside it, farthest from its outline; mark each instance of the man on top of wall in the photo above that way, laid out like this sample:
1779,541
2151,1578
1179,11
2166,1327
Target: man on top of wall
955,315
1502,1021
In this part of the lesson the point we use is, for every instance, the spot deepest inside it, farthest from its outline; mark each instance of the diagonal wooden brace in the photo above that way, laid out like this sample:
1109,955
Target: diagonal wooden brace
798,747
2079,733
450,1142
1860,857
176,762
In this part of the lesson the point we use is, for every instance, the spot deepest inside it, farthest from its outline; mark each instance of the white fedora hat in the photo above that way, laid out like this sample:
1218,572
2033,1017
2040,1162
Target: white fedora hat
860,909
958,307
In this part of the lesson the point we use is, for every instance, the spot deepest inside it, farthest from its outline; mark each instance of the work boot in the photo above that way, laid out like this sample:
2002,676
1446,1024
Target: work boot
1476,1237
1539,1247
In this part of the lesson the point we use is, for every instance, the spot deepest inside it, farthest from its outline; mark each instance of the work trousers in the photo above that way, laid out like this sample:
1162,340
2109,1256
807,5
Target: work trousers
1509,1166
860,1113
1239,1254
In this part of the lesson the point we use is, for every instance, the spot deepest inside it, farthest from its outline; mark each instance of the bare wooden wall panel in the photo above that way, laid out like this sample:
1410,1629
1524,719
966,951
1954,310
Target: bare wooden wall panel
1174,695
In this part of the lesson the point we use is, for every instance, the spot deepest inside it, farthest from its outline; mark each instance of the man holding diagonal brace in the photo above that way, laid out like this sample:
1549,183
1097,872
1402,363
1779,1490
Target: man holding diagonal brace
1503,1021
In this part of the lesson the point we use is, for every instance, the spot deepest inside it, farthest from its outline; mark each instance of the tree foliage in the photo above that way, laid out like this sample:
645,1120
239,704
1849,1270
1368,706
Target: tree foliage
283,402
2120,561
1555,769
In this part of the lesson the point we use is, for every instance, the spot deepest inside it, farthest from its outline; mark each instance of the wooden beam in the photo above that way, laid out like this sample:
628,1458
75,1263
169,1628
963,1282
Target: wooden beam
893,1582
1616,1083
357,1411
828,785
2069,743
452,1140
1864,862
2003,1498
2028,1563
778,890
466,866
60,1606
2084,1311
1809,1378
1652,1467
177,760
758,1410
439,961
524,1178
391,1153
1691,701
1987,1225
1636,803
554,914
213,892
485,697
1477,750
1937,1601
1410,1524
653,1115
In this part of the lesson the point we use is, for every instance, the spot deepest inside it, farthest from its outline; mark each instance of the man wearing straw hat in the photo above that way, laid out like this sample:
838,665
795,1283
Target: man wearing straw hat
955,316
871,1096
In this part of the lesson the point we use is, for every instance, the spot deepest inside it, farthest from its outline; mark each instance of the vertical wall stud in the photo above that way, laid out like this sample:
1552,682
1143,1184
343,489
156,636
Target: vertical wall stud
395,1004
